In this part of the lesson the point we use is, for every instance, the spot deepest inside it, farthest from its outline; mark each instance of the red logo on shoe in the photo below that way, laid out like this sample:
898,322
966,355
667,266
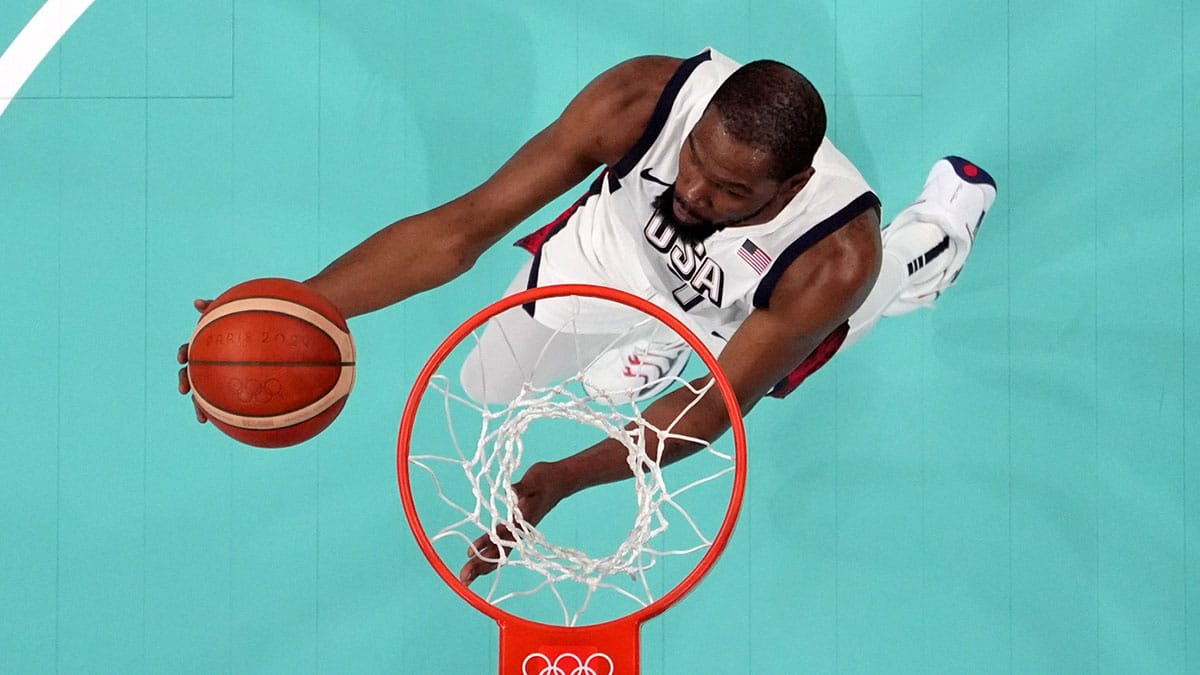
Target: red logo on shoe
971,170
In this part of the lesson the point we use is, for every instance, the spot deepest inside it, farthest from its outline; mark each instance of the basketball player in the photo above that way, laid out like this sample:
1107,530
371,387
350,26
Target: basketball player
722,201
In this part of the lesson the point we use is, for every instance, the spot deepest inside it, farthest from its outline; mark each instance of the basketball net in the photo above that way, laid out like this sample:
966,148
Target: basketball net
565,608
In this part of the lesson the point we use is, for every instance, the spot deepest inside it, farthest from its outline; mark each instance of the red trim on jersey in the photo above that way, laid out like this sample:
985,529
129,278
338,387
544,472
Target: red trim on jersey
534,241
820,356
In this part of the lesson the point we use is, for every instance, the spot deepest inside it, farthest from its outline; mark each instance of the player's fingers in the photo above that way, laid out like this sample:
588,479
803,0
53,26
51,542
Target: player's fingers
466,574
474,569
200,304
181,355
469,571
184,385
481,546
200,416
481,555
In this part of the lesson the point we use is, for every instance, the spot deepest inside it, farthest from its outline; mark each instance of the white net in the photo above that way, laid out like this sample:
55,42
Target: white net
604,552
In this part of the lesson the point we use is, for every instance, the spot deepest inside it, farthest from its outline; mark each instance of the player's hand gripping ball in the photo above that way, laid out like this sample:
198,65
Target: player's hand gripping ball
271,362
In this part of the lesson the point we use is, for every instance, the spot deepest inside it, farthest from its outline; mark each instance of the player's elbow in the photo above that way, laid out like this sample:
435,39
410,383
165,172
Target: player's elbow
461,252
856,278
474,231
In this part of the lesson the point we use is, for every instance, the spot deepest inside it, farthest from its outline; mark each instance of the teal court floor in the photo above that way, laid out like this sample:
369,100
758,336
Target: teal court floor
1008,483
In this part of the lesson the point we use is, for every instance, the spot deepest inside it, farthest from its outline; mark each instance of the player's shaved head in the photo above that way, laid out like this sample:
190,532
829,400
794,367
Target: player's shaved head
769,106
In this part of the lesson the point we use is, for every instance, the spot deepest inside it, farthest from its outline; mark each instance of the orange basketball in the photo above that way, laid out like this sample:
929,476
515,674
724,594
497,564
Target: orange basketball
271,362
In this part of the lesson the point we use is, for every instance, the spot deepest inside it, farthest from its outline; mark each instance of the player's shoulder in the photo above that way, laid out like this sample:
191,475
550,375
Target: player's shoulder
607,117
655,70
632,87
611,112
647,72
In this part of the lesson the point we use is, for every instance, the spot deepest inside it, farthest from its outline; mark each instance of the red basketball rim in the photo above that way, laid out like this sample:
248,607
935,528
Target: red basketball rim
523,631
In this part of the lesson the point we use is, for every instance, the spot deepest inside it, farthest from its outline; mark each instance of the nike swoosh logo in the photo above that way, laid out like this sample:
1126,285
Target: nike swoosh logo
646,175
719,336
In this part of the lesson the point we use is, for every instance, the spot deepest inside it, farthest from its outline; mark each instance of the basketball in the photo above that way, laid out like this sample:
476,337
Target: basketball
271,362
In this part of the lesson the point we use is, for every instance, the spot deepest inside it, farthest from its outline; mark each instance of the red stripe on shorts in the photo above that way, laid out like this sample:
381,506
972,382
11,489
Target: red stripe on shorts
534,241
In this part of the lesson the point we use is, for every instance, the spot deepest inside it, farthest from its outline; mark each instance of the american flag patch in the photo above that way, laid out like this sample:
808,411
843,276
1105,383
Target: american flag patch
754,256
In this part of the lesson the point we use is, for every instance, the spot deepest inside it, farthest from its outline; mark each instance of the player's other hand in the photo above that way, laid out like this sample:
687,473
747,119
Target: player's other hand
538,491
182,357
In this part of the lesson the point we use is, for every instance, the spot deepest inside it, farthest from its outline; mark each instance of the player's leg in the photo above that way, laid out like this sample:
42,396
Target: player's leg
636,361
639,357
926,245
515,349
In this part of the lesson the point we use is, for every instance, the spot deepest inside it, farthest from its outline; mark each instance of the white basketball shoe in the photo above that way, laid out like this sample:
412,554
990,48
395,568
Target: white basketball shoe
934,235
636,371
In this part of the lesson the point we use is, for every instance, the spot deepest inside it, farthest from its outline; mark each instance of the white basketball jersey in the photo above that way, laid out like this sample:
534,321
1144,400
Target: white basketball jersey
613,236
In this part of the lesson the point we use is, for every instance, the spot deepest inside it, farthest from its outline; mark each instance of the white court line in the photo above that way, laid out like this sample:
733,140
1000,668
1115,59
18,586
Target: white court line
34,42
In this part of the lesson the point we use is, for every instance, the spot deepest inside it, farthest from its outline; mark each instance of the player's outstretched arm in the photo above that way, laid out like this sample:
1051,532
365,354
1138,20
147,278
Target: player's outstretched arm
426,250
816,294
429,249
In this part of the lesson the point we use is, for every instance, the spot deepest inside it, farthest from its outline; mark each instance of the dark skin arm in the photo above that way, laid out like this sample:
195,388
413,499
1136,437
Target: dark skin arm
815,295
426,250
429,249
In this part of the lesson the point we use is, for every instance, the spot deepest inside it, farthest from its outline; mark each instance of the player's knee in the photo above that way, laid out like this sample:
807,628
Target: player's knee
471,379
486,388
